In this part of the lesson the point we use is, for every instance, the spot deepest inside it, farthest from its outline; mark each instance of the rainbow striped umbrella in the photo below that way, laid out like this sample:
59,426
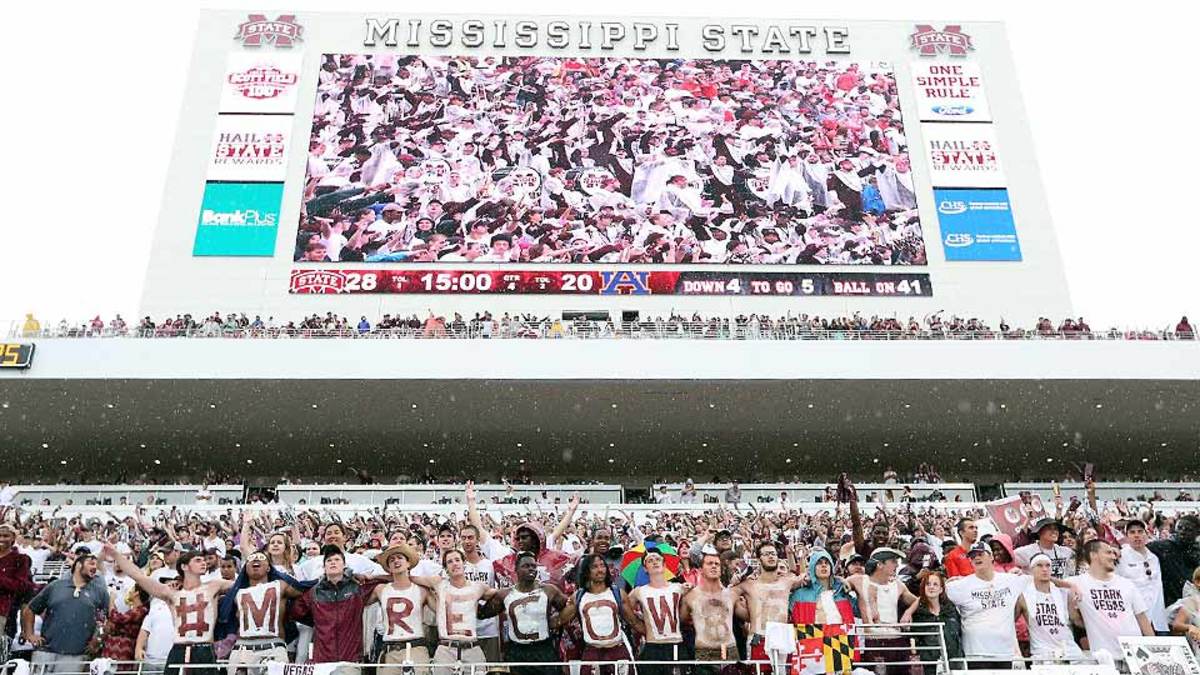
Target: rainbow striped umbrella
631,562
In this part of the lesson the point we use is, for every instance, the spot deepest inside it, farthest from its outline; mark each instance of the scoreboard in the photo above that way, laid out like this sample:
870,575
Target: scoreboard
623,282
361,162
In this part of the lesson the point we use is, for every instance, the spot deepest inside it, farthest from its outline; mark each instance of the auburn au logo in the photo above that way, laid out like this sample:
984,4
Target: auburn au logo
624,282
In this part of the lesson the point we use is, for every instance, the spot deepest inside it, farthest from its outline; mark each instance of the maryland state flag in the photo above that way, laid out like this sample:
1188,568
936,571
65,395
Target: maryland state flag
824,648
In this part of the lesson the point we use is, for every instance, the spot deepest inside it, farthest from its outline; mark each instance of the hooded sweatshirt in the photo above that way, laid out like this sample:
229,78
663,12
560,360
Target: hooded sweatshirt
805,598
552,564
1006,542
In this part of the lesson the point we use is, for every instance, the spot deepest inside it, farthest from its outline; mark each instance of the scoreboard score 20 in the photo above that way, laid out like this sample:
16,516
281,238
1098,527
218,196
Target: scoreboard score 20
616,282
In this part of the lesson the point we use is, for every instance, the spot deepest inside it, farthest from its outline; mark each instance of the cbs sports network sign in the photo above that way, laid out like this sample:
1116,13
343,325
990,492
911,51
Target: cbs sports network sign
426,154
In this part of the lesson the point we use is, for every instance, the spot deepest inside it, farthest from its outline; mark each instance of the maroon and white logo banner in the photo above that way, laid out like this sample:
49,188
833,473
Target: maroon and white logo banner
257,30
950,40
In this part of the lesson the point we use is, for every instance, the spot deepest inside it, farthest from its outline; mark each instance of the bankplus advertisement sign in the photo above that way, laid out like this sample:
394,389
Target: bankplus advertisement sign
977,225
238,219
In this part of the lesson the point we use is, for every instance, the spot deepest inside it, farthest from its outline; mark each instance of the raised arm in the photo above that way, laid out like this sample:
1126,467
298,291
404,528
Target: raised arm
155,588
247,532
856,521
473,511
565,522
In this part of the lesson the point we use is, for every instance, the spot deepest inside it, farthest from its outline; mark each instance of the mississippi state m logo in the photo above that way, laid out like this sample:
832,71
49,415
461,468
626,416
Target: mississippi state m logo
624,283
282,32
950,40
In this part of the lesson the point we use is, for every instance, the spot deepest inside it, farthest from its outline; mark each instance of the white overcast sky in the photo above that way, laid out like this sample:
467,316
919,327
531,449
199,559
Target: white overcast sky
93,93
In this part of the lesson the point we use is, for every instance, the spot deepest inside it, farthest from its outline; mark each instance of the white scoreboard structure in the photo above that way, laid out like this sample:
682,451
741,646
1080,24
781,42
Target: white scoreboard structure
399,163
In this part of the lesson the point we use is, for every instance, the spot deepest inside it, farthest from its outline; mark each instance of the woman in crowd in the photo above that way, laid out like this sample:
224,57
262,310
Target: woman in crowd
932,606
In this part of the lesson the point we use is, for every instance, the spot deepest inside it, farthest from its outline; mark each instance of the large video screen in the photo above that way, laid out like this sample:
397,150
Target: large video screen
494,160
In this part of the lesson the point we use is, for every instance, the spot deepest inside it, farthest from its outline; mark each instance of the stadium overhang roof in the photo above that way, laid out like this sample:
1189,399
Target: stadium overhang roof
625,410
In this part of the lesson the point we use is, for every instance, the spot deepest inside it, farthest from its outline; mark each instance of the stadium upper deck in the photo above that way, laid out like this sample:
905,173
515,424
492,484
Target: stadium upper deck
599,407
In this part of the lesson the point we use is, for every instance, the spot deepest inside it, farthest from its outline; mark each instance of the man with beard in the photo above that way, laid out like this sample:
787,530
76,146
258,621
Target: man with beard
526,609
1179,556
193,607
767,599
600,605
255,608
68,607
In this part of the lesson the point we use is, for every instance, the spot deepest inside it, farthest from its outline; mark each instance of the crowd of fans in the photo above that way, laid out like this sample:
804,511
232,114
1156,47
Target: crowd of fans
560,160
554,583
486,325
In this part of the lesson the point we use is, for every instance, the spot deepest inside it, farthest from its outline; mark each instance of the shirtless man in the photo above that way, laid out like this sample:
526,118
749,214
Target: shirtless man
657,608
527,612
767,599
709,607
193,606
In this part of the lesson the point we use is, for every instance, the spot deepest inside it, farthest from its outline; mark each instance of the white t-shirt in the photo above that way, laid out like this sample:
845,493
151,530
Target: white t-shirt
95,546
37,557
314,567
161,629
118,588
216,543
484,572
1144,570
987,609
1050,624
1061,558
1109,609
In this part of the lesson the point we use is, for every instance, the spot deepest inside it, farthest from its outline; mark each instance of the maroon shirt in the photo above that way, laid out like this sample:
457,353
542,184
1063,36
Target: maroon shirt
15,579
336,613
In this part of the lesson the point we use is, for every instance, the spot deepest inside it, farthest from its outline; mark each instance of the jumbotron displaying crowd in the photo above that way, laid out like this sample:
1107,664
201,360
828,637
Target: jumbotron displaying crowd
562,160
488,325
415,591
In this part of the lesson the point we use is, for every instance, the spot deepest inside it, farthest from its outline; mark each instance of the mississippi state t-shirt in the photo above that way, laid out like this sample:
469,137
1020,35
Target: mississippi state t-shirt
987,610
1109,610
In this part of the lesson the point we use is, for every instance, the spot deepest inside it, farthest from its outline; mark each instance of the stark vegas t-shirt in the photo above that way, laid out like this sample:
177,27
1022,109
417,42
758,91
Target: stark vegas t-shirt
987,609
1109,610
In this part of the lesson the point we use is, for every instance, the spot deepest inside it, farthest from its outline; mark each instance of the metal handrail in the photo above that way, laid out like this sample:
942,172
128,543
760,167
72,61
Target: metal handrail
859,631
593,330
